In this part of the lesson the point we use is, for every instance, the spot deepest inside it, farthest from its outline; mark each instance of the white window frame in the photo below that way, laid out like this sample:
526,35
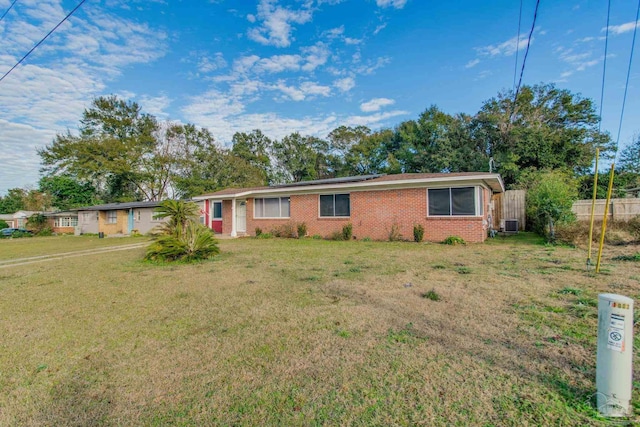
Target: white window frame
110,220
255,216
213,211
334,205
478,199
65,221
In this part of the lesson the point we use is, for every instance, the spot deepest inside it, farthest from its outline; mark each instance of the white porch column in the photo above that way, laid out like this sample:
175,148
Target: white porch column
234,233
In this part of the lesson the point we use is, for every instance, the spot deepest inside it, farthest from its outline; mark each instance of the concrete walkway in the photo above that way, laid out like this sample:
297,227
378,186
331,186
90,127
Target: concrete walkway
53,257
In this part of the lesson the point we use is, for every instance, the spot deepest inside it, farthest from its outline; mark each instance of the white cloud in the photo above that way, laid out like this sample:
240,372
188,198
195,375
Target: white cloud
315,56
352,41
379,28
251,18
472,63
276,23
278,64
48,93
155,105
398,4
506,48
345,84
306,90
376,104
373,120
208,64
622,28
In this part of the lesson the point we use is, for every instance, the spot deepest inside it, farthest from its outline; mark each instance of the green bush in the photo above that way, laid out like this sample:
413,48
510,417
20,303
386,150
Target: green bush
347,231
550,196
195,242
366,239
258,231
46,231
302,230
454,240
316,237
3,224
418,233
19,234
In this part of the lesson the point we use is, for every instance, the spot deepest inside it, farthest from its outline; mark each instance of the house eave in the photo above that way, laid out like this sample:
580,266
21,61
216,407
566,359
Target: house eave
492,181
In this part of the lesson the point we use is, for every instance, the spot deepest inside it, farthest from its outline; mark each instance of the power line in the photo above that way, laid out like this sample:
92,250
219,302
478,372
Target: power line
604,66
626,85
515,66
42,40
524,60
7,11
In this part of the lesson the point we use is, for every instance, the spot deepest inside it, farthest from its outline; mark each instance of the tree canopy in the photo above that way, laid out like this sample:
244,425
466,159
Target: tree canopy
121,153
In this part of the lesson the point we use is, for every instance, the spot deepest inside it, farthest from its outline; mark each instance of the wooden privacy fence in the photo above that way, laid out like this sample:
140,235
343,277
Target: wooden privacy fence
509,205
619,209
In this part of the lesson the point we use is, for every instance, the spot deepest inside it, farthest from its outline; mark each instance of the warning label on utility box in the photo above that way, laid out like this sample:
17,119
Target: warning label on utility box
615,333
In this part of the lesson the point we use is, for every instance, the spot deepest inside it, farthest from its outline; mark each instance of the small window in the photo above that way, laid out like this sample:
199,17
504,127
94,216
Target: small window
138,215
112,217
156,216
217,210
335,205
452,201
272,207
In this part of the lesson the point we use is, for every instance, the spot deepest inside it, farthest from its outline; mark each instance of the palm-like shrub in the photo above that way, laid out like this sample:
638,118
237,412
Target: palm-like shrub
183,238
179,213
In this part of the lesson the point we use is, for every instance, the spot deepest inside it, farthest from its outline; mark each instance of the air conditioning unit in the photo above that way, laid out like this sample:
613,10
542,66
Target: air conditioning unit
511,225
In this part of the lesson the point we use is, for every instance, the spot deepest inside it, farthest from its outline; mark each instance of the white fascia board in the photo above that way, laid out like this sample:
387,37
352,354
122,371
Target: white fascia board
364,186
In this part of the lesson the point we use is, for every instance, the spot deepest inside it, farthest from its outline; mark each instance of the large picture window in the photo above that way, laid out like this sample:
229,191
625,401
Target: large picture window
272,207
335,205
65,222
452,201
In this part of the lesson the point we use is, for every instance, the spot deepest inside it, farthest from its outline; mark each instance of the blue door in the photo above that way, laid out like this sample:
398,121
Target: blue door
130,220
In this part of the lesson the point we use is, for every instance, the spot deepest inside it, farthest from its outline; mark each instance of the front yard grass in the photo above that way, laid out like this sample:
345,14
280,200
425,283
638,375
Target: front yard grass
309,332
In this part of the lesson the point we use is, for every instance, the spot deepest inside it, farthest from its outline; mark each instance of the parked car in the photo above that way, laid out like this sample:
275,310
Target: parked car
11,231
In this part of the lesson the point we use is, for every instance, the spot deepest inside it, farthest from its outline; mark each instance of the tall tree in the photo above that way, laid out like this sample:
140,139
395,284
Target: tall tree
301,158
255,148
115,147
630,157
13,201
67,192
546,128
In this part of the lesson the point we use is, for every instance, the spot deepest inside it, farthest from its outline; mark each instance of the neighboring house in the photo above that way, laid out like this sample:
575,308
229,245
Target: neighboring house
8,218
118,218
21,218
62,221
445,204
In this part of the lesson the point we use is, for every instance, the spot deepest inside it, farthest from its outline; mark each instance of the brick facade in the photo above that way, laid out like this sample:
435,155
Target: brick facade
373,214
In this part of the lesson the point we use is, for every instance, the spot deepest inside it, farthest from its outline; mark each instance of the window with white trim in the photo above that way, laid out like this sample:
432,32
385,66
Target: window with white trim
271,207
460,201
112,217
65,221
332,205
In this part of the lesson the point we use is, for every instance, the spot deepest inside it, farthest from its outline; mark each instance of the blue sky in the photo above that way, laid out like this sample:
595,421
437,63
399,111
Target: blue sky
284,66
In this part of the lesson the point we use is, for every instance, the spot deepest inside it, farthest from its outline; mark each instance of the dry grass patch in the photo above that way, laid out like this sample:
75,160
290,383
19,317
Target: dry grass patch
37,246
307,332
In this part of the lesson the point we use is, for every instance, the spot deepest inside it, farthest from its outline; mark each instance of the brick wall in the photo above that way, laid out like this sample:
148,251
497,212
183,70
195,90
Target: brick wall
373,214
